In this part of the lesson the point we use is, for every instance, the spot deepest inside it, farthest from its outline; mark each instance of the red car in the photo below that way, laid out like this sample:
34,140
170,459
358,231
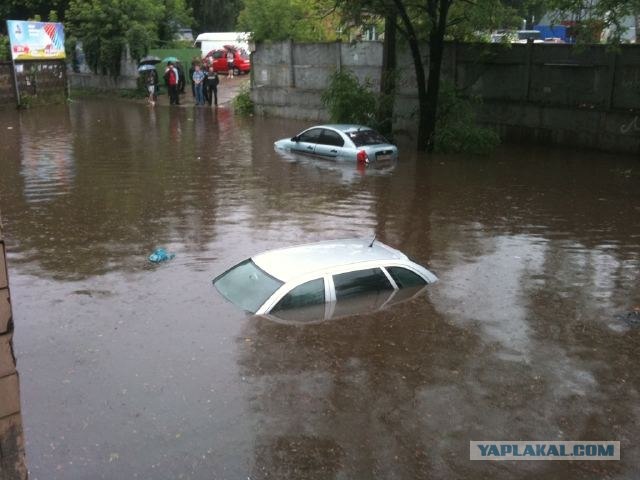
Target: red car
218,58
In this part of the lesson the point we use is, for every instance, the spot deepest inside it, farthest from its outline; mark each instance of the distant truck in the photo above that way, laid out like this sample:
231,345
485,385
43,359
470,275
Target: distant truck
554,33
217,41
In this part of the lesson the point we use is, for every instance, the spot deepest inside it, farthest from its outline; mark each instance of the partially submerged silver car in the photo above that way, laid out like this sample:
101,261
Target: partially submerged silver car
354,143
320,275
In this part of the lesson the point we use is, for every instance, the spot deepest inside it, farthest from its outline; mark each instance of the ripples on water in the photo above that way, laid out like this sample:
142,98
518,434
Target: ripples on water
536,250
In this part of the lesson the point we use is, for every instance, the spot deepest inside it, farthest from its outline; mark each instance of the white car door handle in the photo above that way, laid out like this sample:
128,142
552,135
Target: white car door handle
334,151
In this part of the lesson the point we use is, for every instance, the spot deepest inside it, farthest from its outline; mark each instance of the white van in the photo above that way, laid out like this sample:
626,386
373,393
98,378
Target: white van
217,40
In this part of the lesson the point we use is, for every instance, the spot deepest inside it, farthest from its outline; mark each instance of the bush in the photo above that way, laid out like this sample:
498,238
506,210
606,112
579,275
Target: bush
456,128
348,101
5,49
242,103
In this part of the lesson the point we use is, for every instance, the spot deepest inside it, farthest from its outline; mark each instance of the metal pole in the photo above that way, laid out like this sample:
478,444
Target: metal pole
13,66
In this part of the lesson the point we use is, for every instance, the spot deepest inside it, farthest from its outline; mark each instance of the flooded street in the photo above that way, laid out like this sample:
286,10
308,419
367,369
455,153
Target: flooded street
134,370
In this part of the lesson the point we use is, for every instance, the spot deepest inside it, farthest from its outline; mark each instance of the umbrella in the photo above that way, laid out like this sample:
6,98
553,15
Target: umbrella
150,60
170,59
144,68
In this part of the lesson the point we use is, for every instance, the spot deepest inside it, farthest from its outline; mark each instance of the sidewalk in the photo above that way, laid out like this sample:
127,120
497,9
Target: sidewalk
228,88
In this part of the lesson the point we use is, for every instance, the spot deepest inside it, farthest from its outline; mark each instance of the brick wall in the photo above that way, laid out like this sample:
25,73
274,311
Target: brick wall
12,456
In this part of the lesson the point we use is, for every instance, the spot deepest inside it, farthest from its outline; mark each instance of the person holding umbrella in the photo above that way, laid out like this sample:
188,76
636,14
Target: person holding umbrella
150,78
147,65
152,86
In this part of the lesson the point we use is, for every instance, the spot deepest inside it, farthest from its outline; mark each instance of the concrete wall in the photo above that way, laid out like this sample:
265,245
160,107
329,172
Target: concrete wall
586,96
101,82
84,78
288,78
12,454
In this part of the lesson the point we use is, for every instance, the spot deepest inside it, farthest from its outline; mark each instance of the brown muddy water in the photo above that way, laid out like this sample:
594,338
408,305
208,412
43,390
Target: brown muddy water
132,370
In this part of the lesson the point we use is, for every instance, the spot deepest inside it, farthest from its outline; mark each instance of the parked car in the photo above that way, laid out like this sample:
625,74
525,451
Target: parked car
528,36
355,143
218,58
321,277
516,36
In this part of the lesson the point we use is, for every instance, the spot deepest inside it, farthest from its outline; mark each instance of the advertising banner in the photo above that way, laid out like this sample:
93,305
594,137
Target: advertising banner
36,40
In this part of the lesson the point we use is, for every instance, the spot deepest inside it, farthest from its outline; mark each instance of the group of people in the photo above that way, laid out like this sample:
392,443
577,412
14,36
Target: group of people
204,84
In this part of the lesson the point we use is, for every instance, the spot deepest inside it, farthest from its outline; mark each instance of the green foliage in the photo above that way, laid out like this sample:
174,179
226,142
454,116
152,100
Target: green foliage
107,27
51,10
133,93
596,20
5,48
215,15
242,103
176,14
349,101
178,44
27,100
457,130
276,20
474,20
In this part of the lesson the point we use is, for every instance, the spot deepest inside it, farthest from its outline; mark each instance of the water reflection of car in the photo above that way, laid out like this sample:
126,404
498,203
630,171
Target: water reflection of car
355,143
321,170
322,280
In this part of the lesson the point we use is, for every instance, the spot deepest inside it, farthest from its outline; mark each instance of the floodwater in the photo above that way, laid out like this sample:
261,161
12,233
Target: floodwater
133,370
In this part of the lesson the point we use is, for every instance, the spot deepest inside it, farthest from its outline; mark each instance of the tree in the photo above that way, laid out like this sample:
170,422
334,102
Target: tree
106,27
5,50
276,20
176,14
595,17
29,9
215,15
432,21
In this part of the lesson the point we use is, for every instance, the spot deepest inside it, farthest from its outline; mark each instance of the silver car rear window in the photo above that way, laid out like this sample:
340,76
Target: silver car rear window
363,138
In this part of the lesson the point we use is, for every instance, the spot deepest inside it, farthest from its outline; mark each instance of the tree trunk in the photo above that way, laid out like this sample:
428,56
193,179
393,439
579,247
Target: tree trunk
388,79
436,47
436,50
420,78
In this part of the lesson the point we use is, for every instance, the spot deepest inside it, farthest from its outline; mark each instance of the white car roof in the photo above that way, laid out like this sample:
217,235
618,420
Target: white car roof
288,263
345,127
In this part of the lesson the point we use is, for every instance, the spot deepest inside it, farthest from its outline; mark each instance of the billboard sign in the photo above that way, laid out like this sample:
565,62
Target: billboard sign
36,40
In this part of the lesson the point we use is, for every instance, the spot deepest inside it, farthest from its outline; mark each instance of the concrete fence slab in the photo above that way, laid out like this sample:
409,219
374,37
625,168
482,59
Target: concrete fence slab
557,93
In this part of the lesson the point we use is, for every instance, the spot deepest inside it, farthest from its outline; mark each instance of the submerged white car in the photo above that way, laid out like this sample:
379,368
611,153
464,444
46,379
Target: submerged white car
320,274
355,143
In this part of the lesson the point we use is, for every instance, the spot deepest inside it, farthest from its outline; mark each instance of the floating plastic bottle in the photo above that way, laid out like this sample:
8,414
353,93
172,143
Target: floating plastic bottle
160,255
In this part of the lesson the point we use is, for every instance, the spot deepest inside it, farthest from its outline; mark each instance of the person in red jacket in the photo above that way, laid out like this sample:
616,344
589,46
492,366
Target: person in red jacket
172,79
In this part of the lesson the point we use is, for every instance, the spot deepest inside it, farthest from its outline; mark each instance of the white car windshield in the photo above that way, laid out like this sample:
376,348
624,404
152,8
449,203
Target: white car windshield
247,286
